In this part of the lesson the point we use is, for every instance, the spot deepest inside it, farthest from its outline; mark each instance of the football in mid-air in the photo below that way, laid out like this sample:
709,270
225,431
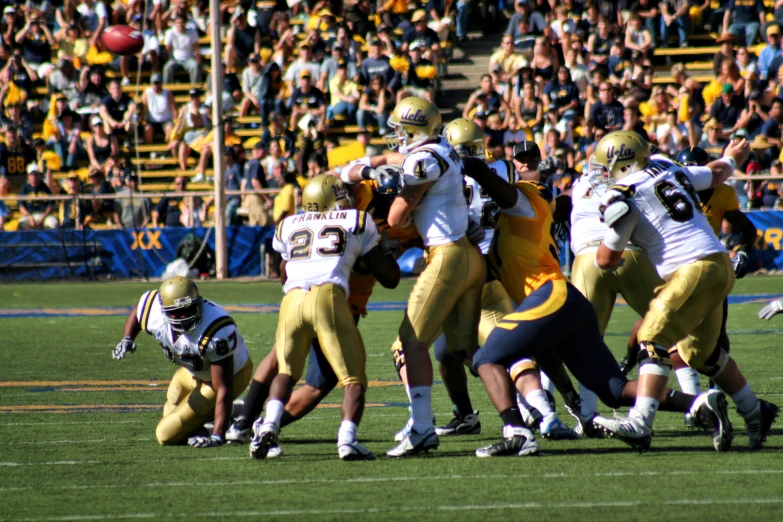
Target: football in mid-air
122,40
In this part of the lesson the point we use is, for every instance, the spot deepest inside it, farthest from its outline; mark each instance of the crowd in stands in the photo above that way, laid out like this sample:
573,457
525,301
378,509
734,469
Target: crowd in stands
304,77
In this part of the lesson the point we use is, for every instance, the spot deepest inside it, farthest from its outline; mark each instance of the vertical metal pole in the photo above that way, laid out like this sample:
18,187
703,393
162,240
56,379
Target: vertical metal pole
218,142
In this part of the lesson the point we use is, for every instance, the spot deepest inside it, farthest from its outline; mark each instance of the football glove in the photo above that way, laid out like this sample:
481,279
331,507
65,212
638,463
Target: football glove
206,442
389,247
475,232
771,310
741,264
123,347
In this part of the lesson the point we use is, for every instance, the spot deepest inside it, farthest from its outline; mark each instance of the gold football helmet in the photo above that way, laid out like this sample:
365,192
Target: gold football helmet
414,120
181,302
324,193
621,153
466,137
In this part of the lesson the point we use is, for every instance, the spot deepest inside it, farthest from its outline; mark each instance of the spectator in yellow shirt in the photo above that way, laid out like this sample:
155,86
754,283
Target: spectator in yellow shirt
508,61
344,93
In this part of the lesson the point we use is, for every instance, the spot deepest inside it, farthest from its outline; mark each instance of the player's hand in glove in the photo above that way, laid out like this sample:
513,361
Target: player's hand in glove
771,310
741,264
389,247
614,204
123,347
475,232
206,442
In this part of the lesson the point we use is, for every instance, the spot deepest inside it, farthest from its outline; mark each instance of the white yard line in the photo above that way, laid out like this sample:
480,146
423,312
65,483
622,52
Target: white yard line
403,478
403,509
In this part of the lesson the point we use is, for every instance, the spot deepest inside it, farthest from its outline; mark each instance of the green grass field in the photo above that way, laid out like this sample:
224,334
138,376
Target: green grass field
77,435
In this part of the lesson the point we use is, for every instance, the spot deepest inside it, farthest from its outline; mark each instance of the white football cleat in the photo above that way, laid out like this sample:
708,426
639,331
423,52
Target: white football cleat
238,436
516,441
415,442
552,428
630,430
264,438
354,451
405,431
710,412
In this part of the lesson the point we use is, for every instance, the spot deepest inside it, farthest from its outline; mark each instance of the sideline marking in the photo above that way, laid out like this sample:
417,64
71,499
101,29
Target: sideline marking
407,508
502,476
9,313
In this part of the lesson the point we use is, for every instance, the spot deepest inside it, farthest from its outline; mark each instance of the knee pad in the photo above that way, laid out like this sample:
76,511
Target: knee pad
715,363
651,353
521,366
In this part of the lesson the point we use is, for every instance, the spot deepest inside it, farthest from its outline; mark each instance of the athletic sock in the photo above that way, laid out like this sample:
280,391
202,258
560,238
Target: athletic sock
512,417
254,401
677,401
689,380
347,433
526,410
539,401
287,419
745,400
547,384
462,405
589,401
421,408
645,408
274,411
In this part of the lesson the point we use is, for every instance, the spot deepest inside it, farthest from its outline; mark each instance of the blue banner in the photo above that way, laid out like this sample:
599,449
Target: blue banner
117,254
768,251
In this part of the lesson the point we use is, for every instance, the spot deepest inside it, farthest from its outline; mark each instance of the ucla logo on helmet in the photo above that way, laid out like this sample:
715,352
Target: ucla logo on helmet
414,118
623,153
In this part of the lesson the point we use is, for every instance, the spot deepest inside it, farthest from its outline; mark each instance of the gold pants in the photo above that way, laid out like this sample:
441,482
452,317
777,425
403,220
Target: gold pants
688,311
190,403
322,313
447,295
636,280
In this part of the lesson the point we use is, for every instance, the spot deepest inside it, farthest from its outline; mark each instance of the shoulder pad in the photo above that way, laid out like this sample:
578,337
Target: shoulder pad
211,330
147,302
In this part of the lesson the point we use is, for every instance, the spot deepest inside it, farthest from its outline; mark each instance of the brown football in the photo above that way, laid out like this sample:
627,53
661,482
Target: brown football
122,40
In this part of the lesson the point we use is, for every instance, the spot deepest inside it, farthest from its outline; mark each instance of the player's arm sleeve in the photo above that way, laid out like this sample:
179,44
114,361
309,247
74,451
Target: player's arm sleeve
620,234
742,224
701,177
277,242
219,340
367,232
144,308
423,167
501,192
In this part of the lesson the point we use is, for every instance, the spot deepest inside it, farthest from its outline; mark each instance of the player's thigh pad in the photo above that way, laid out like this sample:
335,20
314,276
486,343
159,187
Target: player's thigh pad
697,347
598,286
182,383
199,407
295,332
638,281
495,303
447,291
338,335
531,328
686,299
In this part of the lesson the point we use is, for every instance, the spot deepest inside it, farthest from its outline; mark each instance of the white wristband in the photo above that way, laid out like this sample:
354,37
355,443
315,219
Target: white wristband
731,162
345,178
361,161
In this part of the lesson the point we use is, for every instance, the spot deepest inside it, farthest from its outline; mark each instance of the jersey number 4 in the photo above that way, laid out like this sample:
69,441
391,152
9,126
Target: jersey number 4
301,242
677,204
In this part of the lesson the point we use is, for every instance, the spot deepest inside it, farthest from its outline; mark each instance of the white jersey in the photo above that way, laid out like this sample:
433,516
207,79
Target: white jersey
321,247
672,229
481,208
441,216
587,229
215,338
